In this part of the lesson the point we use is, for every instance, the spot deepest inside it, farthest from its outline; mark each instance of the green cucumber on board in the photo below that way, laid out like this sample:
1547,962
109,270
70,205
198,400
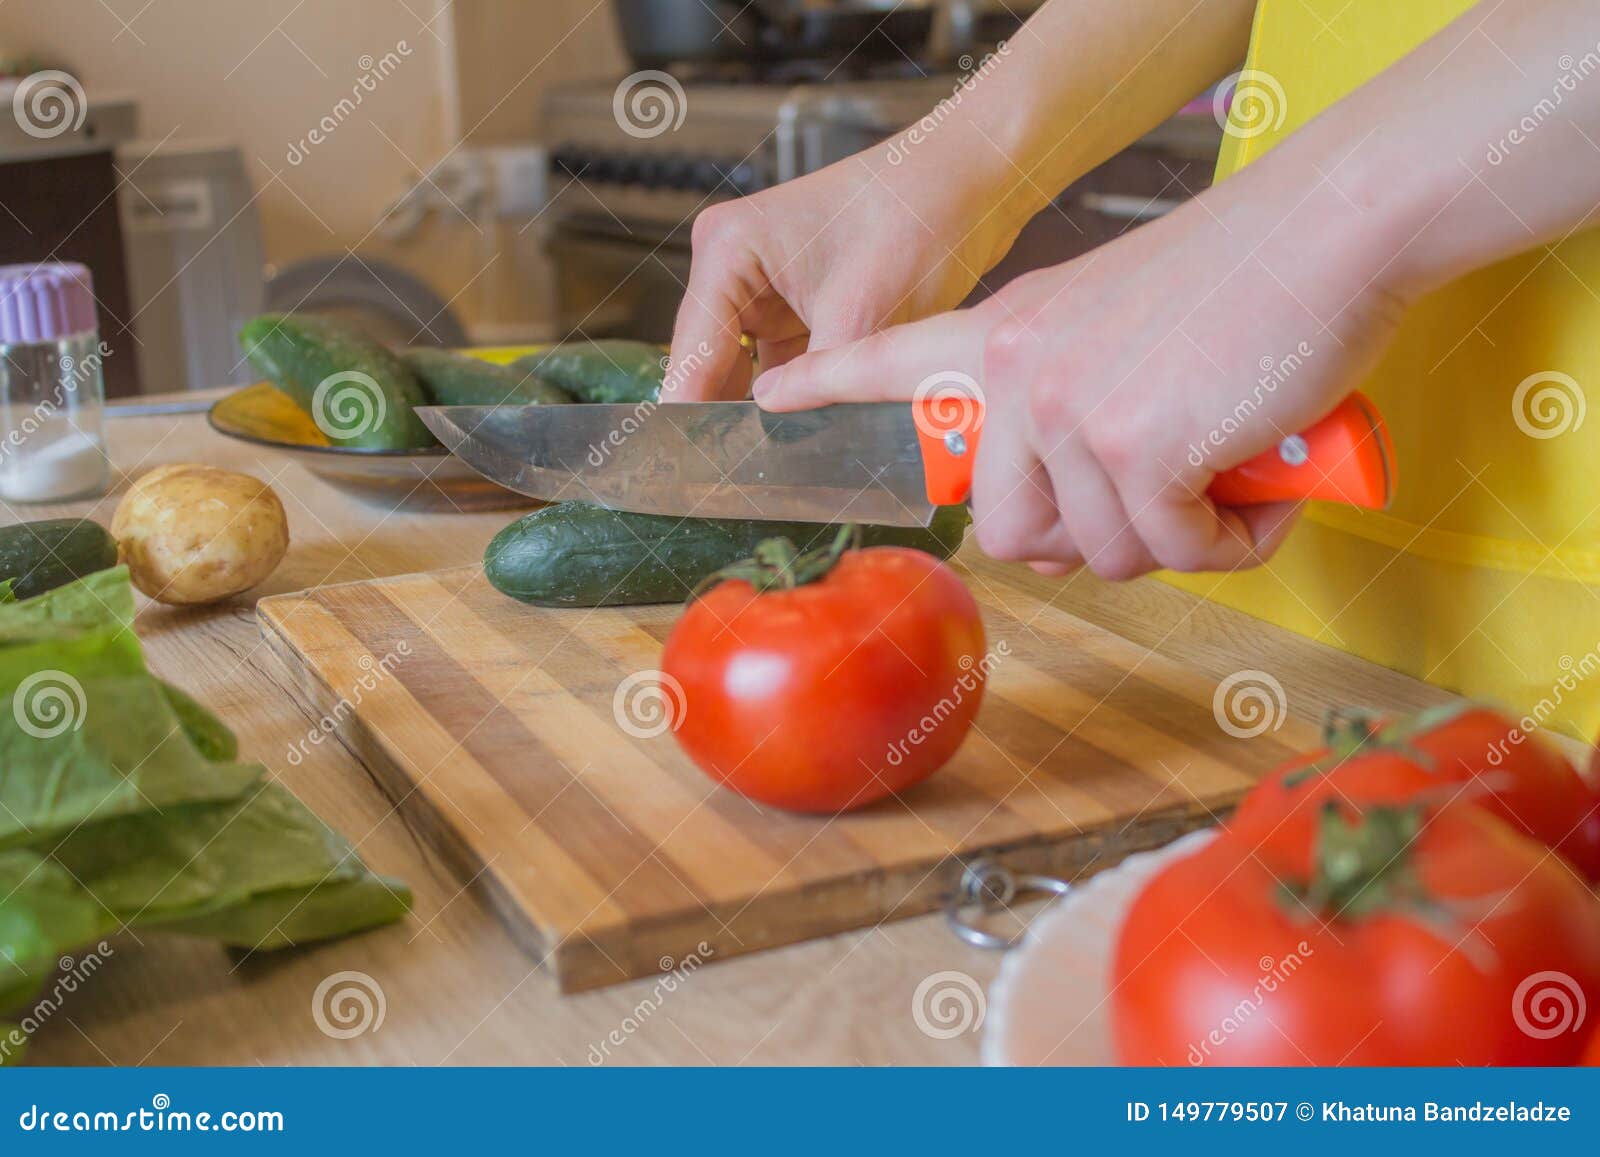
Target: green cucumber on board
358,393
610,371
577,555
453,379
39,556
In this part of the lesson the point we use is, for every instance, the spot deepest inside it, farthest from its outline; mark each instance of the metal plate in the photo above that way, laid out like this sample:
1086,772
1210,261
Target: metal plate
426,480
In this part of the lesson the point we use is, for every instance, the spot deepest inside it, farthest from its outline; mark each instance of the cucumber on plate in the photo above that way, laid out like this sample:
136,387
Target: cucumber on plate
601,371
453,379
358,393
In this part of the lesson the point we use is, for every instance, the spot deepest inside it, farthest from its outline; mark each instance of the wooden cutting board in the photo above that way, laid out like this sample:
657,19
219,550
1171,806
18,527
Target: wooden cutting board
609,855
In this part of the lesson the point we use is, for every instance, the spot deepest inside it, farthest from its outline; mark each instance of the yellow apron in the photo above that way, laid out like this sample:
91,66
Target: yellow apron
1482,577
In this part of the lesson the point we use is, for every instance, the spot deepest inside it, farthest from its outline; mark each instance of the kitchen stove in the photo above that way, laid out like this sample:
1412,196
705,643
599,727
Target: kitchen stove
625,191
632,164
735,138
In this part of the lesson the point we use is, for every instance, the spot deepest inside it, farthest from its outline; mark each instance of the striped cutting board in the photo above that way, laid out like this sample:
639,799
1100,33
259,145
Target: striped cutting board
501,730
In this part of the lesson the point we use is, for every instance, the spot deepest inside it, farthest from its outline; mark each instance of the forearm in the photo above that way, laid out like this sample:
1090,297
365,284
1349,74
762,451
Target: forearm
1456,157
1083,79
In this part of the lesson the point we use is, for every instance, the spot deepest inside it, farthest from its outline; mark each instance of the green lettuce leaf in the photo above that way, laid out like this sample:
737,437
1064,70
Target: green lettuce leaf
44,914
234,870
76,752
214,738
294,916
11,1053
102,599
121,803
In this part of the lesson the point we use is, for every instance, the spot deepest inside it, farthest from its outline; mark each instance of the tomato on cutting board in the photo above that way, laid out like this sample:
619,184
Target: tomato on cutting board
1591,1055
1407,936
1458,752
824,681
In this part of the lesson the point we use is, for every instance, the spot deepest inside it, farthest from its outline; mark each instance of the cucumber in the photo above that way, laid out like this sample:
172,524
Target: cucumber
369,407
456,380
577,555
39,556
600,371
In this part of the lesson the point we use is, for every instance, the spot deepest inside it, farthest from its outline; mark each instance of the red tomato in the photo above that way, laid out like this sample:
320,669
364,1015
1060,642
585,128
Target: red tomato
1472,754
1455,944
1591,1055
832,694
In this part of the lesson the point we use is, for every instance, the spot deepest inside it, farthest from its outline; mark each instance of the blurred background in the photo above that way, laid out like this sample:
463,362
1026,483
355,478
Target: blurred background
479,172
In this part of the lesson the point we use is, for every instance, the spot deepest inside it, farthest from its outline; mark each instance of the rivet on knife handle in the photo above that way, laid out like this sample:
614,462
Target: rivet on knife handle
948,427
1346,458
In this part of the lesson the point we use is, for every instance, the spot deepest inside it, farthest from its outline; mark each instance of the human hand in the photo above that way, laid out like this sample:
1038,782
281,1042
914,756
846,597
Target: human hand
830,257
1119,385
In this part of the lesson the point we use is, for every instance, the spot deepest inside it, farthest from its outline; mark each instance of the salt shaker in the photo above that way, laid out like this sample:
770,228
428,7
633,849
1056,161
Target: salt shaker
52,393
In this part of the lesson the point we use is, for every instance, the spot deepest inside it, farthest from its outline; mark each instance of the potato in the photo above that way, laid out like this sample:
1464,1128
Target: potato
196,534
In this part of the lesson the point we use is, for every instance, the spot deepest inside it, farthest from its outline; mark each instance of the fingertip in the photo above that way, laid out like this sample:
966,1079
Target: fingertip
684,380
1250,535
767,386
1054,569
1268,526
697,375
785,387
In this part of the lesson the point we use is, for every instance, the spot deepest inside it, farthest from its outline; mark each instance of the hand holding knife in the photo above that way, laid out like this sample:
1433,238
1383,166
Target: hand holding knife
881,462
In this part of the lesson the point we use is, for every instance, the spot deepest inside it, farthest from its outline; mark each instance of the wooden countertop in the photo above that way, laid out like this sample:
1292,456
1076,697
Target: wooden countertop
456,989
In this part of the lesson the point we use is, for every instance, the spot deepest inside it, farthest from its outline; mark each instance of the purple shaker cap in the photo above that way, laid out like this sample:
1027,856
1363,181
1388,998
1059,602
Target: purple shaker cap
45,302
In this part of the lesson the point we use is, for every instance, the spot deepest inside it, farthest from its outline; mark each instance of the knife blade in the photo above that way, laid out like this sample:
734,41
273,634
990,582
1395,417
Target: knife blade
850,463
890,463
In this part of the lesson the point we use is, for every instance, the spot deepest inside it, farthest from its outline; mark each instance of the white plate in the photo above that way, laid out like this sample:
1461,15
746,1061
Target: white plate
1048,1006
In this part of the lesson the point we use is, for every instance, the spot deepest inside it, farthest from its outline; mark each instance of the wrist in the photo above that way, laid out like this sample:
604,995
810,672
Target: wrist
1340,213
959,176
1397,194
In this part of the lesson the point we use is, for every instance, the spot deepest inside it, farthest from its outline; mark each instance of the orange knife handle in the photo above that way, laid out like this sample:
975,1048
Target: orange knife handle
948,428
1345,458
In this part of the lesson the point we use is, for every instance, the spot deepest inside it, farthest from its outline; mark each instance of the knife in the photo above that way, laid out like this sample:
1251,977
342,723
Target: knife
889,463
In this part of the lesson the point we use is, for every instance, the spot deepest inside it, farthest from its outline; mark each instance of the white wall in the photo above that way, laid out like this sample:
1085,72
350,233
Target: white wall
264,73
